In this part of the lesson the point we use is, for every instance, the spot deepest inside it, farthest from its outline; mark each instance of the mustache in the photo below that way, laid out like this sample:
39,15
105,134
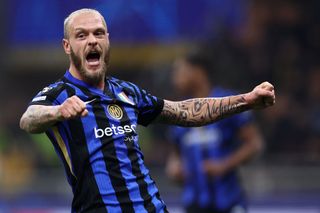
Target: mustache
76,59
93,49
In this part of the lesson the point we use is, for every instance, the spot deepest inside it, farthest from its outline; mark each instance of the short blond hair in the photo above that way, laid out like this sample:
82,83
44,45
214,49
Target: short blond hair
67,21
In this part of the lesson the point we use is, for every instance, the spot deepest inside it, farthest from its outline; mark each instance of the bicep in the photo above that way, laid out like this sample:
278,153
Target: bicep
37,118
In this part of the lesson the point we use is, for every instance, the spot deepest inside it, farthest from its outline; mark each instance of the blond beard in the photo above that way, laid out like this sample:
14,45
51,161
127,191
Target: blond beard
90,78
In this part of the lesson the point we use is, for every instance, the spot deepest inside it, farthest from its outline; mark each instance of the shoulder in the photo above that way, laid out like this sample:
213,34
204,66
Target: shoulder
53,89
48,94
120,82
127,86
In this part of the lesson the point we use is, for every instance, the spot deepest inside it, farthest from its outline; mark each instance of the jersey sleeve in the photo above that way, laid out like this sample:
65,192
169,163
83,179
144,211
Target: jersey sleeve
48,95
149,106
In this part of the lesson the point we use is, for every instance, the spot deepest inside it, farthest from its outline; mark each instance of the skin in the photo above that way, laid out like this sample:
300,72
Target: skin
87,32
195,77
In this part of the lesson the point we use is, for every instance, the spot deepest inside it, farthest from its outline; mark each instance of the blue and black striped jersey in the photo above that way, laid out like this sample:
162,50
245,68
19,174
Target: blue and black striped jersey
215,142
101,154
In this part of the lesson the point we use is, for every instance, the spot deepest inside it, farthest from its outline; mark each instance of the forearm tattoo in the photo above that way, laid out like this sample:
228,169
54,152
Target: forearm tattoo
37,119
202,111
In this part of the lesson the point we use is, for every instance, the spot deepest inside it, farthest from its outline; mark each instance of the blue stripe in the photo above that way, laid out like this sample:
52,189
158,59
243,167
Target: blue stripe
102,169
98,164
152,189
126,171
63,96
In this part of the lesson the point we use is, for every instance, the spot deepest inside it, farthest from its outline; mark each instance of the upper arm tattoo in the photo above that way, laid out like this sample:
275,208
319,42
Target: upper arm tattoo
201,111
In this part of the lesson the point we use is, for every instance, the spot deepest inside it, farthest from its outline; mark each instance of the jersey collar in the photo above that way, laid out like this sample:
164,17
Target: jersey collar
74,80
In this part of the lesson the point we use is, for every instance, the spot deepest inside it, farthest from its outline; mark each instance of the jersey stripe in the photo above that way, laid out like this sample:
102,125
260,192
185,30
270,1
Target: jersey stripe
59,141
63,147
99,166
112,161
71,178
86,190
160,199
113,165
100,151
134,160
127,170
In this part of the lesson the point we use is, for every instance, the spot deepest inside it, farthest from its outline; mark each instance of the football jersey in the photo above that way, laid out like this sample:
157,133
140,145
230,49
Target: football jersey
215,141
100,152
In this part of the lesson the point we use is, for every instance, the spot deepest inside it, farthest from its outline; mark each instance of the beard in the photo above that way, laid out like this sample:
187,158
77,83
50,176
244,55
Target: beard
89,77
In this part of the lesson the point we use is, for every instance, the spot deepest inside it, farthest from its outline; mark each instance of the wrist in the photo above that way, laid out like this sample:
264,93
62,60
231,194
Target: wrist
56,114
247,97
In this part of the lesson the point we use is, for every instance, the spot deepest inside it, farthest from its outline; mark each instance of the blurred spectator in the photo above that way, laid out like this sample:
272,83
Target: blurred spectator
206,158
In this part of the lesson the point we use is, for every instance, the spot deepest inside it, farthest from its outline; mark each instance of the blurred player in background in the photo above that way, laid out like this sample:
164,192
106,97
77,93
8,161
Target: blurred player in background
206,158
91,119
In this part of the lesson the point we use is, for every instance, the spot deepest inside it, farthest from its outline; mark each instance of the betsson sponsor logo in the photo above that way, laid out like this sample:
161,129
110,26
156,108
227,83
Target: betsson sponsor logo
114,130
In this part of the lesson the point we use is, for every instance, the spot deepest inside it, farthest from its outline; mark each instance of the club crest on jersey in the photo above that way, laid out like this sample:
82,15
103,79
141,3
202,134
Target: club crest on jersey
115,111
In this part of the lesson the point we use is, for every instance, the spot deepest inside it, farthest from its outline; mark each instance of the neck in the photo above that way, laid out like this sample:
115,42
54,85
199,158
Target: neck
76,74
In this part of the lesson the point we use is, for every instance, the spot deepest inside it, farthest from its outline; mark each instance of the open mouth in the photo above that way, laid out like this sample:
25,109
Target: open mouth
93,58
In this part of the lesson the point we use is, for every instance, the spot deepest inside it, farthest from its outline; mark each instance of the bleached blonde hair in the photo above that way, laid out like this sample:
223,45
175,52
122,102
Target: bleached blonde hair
67,21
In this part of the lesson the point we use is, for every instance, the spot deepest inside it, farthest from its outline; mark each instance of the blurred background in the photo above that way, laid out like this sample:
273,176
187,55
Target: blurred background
249,41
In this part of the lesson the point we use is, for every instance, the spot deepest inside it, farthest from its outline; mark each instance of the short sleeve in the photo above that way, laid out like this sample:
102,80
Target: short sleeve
149,108
47,96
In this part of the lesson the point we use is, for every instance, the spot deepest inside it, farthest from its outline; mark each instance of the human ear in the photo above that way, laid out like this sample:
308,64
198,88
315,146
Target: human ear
66,46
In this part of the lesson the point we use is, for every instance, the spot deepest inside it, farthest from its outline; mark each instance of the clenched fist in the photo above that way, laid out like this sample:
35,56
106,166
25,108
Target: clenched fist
261,96
71,108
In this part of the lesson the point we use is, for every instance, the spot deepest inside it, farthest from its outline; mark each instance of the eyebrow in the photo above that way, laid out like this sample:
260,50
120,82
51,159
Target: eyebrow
84,29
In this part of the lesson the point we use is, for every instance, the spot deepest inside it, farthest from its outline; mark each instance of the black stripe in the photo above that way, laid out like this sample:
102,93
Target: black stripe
86,192
134,158
159,198
112,163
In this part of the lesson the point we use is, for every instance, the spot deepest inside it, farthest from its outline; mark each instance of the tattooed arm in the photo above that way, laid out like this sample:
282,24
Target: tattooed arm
39,118
202,111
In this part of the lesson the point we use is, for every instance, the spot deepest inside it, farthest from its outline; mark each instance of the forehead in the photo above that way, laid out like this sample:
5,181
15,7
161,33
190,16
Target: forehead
86,21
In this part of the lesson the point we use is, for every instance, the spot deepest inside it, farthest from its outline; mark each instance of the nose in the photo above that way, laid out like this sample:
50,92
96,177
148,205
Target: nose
92,41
